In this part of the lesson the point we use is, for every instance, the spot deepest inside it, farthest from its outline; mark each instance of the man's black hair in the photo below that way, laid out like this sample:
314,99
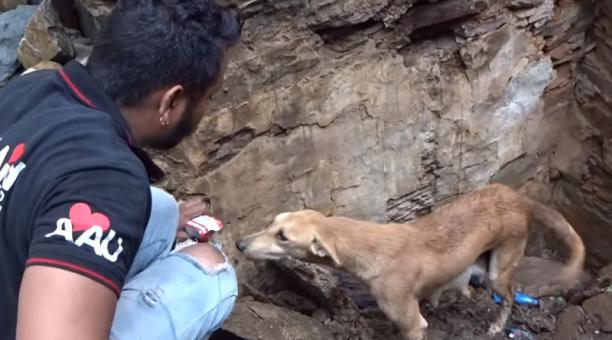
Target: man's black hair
148,44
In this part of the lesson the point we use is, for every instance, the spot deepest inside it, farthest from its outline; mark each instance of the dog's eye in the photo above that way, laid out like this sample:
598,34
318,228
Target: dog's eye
281,236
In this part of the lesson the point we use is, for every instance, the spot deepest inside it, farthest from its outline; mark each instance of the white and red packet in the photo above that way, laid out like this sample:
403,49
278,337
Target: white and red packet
202,227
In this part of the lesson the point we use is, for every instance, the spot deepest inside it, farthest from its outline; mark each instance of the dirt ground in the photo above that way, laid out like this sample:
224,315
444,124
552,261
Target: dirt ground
290,313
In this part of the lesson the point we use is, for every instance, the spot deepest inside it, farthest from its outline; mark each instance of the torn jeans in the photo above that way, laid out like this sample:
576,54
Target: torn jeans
169,295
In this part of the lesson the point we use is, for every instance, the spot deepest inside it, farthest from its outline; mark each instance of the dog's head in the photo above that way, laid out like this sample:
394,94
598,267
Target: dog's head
291,235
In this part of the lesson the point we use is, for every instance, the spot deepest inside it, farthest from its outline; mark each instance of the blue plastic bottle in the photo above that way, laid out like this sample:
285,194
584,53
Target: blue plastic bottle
519,298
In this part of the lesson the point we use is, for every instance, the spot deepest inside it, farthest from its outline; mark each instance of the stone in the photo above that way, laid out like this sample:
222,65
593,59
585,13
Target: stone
606,272
600,307
67,13
569,324
436,13
43,65
12,26
45,38
522,4
589,209
318,283
83,47
93,14
254,320
337,13
563,19
7,5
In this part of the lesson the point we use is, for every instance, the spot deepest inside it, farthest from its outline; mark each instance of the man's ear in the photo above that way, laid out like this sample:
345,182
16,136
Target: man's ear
321,249
172,105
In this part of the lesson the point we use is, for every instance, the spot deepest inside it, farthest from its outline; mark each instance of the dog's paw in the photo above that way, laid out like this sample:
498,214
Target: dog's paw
468,293
494,329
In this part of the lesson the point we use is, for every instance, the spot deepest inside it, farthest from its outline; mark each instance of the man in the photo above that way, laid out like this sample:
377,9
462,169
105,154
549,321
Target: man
85,241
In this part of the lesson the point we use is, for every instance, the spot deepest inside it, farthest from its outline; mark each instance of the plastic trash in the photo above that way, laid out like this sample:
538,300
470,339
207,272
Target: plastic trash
519,333
202,227
519,299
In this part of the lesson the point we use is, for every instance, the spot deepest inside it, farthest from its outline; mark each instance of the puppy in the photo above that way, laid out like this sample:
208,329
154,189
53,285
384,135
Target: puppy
461,283
405,263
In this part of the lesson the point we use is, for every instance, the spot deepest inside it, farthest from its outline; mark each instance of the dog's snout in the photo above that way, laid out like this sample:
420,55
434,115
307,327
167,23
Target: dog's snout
241,244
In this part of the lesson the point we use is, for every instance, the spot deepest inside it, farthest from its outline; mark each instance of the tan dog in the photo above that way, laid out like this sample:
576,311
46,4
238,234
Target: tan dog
405,263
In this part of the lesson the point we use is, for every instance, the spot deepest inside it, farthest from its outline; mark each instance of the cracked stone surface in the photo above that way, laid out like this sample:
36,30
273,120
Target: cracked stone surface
12,26
45,38
382,109
584,186
371,131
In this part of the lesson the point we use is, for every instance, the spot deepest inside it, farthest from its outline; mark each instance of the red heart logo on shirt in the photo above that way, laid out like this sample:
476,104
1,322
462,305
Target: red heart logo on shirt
82,218
17,153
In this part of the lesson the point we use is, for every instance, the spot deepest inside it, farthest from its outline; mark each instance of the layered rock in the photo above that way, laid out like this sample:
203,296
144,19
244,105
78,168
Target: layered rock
583,160
383,109
7,5
43,65
254,320
13,24
92,14
397,108
45,38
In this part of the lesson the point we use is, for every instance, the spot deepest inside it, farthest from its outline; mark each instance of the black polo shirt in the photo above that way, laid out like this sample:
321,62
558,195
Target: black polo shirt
74,192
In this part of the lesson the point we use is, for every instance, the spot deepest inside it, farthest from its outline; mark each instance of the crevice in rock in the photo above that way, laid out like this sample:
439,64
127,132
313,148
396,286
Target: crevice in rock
344,38
229,147
428,15
406,208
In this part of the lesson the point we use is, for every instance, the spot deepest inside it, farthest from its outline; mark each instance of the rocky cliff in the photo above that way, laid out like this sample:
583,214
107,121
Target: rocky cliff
582,162
381,109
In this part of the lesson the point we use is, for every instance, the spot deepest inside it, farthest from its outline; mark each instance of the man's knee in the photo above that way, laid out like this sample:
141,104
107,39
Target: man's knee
207,255
160,231
164,209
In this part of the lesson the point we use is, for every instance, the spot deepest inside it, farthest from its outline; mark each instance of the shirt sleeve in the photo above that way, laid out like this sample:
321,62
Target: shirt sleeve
92,222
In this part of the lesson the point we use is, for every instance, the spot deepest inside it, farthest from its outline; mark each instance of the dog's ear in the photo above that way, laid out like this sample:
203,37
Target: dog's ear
320,249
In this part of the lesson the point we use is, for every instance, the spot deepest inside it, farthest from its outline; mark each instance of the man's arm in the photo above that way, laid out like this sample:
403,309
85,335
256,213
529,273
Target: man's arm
85,234
58,304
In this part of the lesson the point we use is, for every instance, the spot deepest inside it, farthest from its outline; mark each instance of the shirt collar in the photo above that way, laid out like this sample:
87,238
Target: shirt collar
87,91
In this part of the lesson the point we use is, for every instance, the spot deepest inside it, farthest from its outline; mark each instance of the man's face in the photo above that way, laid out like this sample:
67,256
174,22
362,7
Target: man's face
182,119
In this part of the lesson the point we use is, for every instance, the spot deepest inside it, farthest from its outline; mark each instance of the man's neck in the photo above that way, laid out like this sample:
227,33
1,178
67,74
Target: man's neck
134,118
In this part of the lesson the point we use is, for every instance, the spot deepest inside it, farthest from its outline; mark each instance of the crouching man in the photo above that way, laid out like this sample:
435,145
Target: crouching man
85,240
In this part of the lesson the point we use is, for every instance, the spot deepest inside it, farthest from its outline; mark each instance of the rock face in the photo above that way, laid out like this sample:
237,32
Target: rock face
254,320
382,109
92,14
601,307
583,188
7,5
12,26
45,38
43,65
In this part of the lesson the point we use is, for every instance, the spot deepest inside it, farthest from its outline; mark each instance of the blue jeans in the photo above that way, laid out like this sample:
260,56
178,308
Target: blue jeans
169,295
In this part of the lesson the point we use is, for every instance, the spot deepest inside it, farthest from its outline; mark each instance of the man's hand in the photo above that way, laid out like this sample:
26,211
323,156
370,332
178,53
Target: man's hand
58,304
188,210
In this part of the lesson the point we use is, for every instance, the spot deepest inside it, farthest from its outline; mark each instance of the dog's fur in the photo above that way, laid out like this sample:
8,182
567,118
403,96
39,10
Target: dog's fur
405,263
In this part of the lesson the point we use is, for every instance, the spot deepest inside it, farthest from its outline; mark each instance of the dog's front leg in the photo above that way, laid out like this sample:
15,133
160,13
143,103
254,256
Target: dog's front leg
416,325
407,315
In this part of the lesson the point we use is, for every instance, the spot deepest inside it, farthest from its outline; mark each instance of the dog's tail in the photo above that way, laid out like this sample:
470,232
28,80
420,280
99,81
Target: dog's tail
572,272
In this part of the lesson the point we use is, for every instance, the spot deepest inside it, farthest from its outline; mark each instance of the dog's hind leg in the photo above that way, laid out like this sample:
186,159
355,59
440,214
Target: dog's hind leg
504,259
